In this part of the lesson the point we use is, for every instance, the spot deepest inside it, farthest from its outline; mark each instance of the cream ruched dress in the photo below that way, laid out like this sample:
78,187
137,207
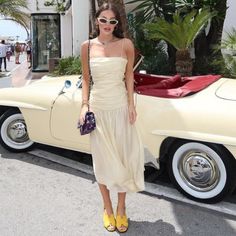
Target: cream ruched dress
118,154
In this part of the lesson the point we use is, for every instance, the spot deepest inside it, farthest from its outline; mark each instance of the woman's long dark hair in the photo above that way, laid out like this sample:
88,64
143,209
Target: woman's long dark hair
118,31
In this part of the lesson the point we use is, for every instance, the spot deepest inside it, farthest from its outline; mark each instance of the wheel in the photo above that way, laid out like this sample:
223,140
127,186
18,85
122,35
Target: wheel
202,171
13,132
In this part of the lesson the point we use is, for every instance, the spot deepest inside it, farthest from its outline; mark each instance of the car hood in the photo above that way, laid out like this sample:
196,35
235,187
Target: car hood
54,81
39,94
227,90
47,84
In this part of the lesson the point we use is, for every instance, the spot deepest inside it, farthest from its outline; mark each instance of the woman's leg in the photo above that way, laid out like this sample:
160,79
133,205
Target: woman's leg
108,217
5,63
0,64
121,204
121,218
106,198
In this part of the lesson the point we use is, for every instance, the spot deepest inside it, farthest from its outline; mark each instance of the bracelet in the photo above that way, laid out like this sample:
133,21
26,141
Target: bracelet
85,102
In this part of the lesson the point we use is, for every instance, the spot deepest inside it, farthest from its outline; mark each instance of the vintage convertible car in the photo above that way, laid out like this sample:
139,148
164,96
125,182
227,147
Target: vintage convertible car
186,124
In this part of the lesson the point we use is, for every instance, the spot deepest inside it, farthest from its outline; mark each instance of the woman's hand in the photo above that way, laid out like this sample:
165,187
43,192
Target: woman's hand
132,114
83,111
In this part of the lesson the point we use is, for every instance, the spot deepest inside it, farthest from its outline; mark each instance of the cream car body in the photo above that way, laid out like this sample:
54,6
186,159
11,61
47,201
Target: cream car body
207,116
49,115
47,122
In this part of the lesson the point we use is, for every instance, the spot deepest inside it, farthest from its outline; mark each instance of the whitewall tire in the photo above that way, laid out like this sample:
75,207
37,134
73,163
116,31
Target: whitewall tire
202,171
13,132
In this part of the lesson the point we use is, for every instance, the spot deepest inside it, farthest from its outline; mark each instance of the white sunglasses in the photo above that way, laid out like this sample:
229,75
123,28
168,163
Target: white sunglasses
105,21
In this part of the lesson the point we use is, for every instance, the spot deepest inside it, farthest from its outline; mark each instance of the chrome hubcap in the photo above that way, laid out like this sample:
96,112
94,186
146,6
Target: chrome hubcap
17,131
199,171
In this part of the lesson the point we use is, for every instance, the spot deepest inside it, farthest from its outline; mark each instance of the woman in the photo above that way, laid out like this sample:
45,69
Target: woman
115,145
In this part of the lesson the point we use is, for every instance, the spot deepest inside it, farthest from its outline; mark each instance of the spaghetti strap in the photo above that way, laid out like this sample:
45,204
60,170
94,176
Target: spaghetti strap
122,47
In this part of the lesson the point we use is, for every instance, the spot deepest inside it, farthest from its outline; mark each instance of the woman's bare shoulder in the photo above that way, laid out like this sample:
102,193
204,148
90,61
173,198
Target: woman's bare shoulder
85,44
128,41
84,47
128,44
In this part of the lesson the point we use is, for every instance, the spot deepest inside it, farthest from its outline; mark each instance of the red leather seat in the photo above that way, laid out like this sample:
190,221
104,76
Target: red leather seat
175,87
173,82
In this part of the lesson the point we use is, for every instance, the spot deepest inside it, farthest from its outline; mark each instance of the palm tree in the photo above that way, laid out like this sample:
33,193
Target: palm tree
229,46
153,8
13,10
206,41
180,33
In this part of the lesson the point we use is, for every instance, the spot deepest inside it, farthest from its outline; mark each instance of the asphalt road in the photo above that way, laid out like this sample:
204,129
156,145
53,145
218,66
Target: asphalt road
40,197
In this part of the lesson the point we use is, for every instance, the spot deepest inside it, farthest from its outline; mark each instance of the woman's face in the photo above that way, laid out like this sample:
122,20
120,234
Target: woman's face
107,22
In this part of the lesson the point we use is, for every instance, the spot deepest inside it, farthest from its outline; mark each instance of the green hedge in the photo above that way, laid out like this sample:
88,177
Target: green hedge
68,66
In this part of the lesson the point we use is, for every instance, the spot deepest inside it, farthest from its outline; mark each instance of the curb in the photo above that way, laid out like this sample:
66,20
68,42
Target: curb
158,190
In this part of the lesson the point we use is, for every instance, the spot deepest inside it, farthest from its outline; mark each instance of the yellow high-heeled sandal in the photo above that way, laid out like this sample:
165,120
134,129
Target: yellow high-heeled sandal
121,223
109,222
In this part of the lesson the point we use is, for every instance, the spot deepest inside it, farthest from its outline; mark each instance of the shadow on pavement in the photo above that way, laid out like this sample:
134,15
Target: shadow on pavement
145,228
203,223
31,159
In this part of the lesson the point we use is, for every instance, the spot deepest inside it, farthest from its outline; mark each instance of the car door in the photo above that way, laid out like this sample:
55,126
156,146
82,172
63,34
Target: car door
64,119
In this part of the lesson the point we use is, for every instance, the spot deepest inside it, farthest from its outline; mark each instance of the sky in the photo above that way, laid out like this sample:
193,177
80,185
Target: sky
11,28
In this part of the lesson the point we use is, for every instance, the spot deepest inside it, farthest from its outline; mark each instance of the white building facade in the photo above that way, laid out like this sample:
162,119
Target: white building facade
57,35
230,19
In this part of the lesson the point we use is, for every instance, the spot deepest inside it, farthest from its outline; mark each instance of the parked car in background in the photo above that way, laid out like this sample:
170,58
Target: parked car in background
186,124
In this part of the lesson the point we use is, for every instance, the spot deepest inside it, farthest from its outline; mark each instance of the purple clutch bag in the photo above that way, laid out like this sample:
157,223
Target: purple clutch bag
89,123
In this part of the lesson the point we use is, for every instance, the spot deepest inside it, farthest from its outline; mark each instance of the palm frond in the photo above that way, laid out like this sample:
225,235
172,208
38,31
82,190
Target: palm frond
182,31
230,62
230,40
14,10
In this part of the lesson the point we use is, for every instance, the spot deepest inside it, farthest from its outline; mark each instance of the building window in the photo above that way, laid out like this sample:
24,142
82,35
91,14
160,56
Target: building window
46,40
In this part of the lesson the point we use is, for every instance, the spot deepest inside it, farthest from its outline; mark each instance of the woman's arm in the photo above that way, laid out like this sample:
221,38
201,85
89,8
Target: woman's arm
129,79
86,80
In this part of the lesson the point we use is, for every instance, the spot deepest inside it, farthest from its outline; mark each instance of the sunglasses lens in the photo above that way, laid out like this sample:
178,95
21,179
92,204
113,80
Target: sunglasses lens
113,22
103,21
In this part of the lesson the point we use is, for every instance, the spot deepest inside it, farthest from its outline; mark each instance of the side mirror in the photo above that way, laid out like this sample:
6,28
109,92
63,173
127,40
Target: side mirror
67,84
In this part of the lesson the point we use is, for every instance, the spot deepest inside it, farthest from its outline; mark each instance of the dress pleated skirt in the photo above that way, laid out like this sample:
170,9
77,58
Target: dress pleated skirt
118,154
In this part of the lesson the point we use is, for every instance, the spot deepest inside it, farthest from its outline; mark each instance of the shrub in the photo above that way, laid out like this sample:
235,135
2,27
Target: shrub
68,66
213,64
216,64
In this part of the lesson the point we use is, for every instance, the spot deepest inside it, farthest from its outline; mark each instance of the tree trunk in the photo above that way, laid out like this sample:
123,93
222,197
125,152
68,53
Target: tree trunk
204,44
121,7
183,63
167,7
171,58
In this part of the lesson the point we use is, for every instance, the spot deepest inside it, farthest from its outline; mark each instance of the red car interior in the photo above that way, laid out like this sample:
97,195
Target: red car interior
171,86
